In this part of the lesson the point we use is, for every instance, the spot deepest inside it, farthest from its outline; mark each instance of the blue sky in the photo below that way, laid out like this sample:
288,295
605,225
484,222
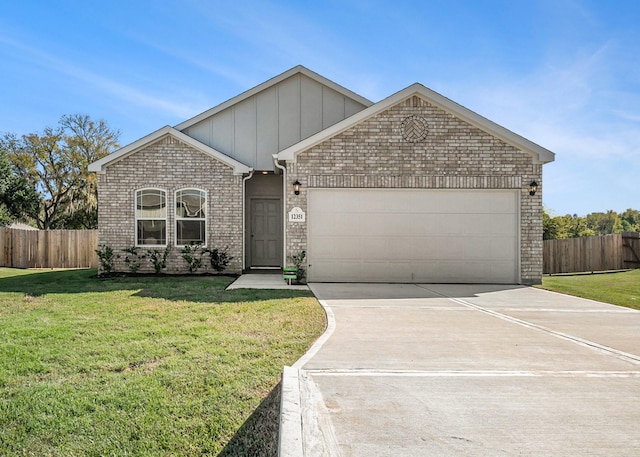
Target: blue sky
563,73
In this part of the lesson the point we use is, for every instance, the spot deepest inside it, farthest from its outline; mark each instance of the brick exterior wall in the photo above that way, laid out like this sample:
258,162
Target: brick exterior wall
171,165
453,155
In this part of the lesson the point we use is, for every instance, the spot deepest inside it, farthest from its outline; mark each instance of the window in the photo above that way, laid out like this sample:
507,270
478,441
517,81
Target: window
151,217
191,221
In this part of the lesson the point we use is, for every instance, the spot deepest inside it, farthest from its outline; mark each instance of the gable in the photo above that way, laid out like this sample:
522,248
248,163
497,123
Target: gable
273,116
420,95
161,135
413,143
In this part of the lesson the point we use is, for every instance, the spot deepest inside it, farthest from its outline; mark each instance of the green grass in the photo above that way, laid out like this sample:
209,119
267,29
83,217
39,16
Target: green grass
144,365
621,289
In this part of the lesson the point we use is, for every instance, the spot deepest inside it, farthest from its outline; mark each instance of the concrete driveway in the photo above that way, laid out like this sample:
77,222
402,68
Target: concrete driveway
470,370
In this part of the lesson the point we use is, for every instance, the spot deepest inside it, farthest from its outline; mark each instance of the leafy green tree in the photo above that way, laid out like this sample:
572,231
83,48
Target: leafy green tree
631,220
574,226
604,223
549,226
17,198
55,164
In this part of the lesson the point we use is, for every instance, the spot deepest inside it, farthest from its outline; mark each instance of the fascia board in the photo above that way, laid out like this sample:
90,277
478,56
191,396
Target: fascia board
99,165
333,85
266,85
540,154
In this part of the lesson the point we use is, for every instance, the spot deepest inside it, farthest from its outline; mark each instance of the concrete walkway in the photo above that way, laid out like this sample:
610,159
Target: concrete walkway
264,280
464,370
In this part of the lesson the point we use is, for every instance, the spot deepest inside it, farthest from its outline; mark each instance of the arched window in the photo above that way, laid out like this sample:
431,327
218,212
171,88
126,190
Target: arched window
191,217
151,217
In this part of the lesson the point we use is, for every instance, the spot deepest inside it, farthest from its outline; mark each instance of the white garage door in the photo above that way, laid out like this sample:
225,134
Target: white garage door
413,235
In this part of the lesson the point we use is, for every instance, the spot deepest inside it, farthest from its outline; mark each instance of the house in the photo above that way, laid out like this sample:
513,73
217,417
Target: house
413,188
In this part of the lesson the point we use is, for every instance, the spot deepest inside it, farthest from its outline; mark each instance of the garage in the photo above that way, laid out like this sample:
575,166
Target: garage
413,235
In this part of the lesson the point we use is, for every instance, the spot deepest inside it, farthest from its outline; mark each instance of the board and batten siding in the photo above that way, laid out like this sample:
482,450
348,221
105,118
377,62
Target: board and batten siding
274,119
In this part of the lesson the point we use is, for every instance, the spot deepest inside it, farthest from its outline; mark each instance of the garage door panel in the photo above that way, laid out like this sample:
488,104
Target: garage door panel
347,248
401,247
425,271
484,202
413,235
476,248
327,227
425,249
324,247
348,224
502,250
372,246
386,224
326,205
343,271
472,271
365,204
501,269
424,223
373,224
451,249
413,202
498,224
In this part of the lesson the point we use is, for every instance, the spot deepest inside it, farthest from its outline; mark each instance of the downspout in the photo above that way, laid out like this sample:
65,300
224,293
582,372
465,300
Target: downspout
284,207
244,218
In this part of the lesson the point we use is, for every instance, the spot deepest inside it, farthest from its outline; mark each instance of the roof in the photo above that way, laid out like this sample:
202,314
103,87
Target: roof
540,154
99,166
272,82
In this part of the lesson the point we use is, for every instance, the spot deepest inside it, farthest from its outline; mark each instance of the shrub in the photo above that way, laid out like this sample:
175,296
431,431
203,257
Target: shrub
159,258
133,259
192,254
297,260
106,258
219,258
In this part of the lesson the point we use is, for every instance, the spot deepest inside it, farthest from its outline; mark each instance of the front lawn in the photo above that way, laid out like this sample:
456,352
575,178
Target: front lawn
621,289
144,365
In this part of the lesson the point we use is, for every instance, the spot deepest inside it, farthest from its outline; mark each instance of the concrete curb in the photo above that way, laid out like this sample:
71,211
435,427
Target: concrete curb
290,437
331,327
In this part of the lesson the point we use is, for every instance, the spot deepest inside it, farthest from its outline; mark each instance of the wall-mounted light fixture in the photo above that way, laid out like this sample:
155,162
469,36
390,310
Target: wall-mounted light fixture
533,187
296,187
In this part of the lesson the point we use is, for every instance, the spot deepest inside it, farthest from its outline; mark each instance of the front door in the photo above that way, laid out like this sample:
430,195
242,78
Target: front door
266,232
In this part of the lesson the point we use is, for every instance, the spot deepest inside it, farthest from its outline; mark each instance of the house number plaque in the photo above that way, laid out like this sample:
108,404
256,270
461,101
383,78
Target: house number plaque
296,215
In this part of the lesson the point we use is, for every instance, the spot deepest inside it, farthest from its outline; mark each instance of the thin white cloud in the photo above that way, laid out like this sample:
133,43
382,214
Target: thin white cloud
565,106
628,116
107,86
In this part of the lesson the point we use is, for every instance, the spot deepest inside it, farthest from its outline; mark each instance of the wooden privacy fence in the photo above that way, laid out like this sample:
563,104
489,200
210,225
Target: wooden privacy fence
592,253
48,248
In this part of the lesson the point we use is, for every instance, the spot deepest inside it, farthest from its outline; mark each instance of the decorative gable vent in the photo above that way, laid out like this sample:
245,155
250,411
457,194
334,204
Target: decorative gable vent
414,129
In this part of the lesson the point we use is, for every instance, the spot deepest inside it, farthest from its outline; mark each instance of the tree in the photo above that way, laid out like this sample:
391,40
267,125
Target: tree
631,220
55,164
17,198
604,223
574,226
549,226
